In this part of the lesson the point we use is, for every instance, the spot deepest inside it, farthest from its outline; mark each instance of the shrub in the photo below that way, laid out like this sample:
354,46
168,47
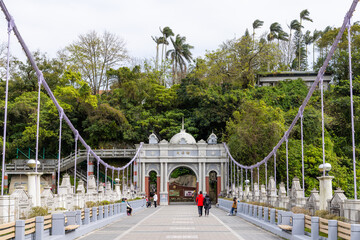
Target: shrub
77,208
91,204
60,209
38,211
300,210
102,203
321,213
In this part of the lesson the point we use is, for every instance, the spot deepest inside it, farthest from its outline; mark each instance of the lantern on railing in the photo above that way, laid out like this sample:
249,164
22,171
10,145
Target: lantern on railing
327,167
32,163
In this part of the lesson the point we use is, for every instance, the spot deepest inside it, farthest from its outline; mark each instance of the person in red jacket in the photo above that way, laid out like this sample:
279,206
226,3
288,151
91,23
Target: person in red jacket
200,203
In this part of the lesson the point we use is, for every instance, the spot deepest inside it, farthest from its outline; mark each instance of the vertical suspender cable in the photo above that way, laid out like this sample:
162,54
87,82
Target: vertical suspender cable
237,180
98,175
258,168
242,179
38,128
10,26
322,121
266,186
75,161
105,178
123,181
252,182
287,166
87,168
275,167
59,155
302,154
352,110
112,179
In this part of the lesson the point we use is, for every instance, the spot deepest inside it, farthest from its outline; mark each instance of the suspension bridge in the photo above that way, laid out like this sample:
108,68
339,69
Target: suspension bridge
88,210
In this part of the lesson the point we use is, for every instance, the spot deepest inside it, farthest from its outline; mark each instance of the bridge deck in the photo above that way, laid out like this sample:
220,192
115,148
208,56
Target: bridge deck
180,222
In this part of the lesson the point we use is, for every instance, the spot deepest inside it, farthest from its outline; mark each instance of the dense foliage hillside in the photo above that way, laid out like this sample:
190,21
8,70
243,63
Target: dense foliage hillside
216,93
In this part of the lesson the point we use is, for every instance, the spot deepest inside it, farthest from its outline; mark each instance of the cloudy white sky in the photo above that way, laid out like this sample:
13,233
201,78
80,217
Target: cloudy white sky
49,25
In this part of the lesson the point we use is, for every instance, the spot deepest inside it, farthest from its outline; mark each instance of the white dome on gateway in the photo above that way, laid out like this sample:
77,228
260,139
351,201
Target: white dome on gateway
182,137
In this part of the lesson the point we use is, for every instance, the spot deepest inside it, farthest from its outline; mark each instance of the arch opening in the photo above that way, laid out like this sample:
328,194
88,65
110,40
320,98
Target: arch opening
182,186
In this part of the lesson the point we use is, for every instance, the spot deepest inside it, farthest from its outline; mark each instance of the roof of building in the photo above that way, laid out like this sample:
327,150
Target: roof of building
182,137
291,74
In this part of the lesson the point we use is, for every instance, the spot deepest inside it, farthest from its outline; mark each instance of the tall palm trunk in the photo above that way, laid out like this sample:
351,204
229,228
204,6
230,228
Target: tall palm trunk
313,56
299,44
289,46
157,57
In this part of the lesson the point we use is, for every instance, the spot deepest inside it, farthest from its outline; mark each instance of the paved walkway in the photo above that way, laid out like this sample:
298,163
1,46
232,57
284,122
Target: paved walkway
180,222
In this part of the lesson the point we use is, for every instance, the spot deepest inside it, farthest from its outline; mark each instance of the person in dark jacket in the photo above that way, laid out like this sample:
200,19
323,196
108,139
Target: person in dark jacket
200,203
207,204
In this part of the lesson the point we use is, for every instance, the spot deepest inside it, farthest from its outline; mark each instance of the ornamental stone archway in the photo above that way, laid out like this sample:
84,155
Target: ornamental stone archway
182,150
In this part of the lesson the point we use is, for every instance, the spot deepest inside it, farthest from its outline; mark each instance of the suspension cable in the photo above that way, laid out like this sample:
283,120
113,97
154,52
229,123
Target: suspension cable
352,110
76,141
10,27
61,113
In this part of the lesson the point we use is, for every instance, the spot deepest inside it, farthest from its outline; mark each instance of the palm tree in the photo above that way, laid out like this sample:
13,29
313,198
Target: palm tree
158,41
308,40
179,54
256,24
304,15
294,25
316,35
166,32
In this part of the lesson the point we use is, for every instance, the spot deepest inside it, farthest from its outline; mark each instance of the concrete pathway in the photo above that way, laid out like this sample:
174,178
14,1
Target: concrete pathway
180,222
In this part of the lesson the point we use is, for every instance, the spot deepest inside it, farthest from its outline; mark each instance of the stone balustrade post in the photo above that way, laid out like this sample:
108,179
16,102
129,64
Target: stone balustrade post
87,216
123,207
286,217
71,217
355,231
332,231
266,214
279,216
101,212
251,210
94,214
78,217
111,212
20,230
39,228
298,224
115,208
272,216
315,225
118,208
246,208
58,224
239,208
260,212
255,211
106,211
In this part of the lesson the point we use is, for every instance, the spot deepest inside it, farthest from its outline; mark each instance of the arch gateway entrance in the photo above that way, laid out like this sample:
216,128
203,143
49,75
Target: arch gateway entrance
204,159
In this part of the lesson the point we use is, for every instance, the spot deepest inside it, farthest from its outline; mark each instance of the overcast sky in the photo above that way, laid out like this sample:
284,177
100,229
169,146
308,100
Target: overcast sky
49,25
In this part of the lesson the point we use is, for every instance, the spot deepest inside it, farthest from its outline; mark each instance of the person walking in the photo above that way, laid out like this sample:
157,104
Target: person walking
233,207
207,204
155,200
128,208
200,203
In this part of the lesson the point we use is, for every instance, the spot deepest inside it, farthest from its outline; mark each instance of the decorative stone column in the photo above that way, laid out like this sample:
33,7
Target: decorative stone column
325,190
34,188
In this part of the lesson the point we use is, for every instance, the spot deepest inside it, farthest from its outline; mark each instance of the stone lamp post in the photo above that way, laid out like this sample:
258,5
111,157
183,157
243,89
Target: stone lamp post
34,183
325,185
247,187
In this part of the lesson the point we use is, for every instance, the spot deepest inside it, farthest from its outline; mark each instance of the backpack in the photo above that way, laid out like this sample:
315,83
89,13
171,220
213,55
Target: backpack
206,201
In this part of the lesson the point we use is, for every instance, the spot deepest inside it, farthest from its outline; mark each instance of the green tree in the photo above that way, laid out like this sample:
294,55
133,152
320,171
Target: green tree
93,54
304,16
178,55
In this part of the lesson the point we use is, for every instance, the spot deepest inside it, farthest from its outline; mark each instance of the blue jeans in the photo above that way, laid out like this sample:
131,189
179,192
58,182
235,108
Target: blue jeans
232,211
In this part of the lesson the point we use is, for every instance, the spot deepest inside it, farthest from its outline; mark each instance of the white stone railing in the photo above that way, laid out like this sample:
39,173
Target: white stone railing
270,219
